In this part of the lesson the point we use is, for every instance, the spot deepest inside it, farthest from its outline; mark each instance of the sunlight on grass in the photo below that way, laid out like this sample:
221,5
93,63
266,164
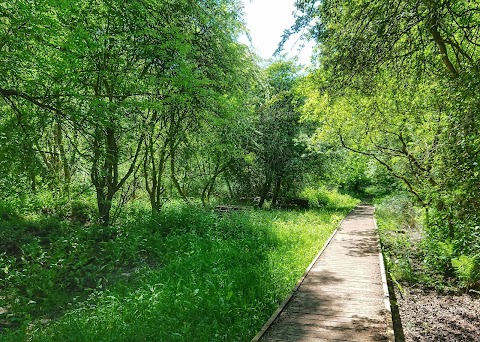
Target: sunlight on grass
205,277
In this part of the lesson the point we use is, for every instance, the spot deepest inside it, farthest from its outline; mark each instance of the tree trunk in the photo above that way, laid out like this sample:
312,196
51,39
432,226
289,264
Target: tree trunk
63,157
105,176
172,173
104,205
154,170
160,189
265,190
276,190
443,50
208,188
229,186
203,197
33,182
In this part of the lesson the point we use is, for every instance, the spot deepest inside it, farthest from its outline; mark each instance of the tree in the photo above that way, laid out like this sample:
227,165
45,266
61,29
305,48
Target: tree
395,83
278,126
201,90
419,34
111,84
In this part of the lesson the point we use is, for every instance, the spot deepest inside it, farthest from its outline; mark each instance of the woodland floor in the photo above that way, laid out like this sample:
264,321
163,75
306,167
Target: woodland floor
429,316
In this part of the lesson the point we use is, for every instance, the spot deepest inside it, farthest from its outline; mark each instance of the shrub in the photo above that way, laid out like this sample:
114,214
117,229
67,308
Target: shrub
320,197
467,269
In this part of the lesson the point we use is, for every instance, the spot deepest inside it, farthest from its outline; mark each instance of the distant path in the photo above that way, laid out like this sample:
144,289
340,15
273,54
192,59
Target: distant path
343,295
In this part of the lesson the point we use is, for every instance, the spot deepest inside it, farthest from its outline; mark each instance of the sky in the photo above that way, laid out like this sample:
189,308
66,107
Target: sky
266,21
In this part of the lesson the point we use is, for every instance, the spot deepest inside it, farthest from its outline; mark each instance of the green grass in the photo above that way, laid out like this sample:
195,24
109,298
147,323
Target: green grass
184,275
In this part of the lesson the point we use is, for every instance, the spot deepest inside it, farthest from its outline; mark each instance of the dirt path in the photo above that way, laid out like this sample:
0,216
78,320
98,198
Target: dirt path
342,297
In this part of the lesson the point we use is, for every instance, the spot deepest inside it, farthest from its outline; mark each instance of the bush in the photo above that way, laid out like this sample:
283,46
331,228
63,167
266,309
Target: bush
399,231
316,197
81,211
425,252
320,197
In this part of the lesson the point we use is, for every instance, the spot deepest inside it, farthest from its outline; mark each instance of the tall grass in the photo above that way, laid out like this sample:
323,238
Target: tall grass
185,274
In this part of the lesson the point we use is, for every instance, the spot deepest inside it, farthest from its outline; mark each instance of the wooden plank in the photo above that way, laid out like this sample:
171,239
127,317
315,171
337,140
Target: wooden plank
341,296
325,317
289,296
386,295
329,321
296,333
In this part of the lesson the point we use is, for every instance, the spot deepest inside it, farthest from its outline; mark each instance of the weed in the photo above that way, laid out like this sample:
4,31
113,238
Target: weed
182,274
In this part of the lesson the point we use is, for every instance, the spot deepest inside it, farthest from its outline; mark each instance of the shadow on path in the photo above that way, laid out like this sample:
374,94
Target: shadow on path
341,298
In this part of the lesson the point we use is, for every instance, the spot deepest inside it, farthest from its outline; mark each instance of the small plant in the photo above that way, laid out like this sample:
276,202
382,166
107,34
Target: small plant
467,269
319,197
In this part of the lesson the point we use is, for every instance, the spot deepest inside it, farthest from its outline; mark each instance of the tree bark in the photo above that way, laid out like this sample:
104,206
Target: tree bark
63,157
265,190
443,50
208,188
229,186
276,190
172,173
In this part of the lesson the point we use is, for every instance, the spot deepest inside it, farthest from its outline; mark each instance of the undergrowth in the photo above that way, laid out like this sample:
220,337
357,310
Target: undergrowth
184,274
418,253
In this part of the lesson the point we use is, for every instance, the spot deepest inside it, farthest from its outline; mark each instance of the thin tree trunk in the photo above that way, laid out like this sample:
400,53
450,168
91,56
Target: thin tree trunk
172,173
229,186
265,190
276,190
443,50
63,157
208,188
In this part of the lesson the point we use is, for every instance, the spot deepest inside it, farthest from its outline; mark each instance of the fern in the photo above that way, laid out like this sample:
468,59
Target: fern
467,269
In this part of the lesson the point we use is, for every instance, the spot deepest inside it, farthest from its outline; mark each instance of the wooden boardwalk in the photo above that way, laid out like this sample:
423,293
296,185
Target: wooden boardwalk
343,295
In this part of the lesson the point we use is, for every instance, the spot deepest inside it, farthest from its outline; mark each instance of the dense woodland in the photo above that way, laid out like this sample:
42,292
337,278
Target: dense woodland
124,123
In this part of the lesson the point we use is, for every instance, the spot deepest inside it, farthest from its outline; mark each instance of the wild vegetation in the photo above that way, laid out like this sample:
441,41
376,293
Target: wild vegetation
124,124
185,271
397,82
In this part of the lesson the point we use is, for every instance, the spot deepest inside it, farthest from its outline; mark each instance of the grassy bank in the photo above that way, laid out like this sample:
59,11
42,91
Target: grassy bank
185,274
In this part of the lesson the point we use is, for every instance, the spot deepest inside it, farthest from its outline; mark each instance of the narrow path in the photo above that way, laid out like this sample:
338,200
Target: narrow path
343,295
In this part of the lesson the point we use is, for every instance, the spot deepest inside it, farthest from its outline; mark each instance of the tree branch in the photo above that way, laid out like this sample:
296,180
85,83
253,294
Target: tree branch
388,167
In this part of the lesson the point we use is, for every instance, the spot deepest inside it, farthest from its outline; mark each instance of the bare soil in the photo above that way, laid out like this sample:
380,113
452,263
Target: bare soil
427,315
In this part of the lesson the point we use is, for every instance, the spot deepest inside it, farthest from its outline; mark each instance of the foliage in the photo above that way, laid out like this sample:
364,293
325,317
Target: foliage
92,89
181,272
320,197
110,110
274,153
415,254
398,225
467,269
395,84
364,36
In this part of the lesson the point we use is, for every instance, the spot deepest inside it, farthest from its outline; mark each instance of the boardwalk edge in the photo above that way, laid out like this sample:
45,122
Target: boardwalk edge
300,281
386,296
